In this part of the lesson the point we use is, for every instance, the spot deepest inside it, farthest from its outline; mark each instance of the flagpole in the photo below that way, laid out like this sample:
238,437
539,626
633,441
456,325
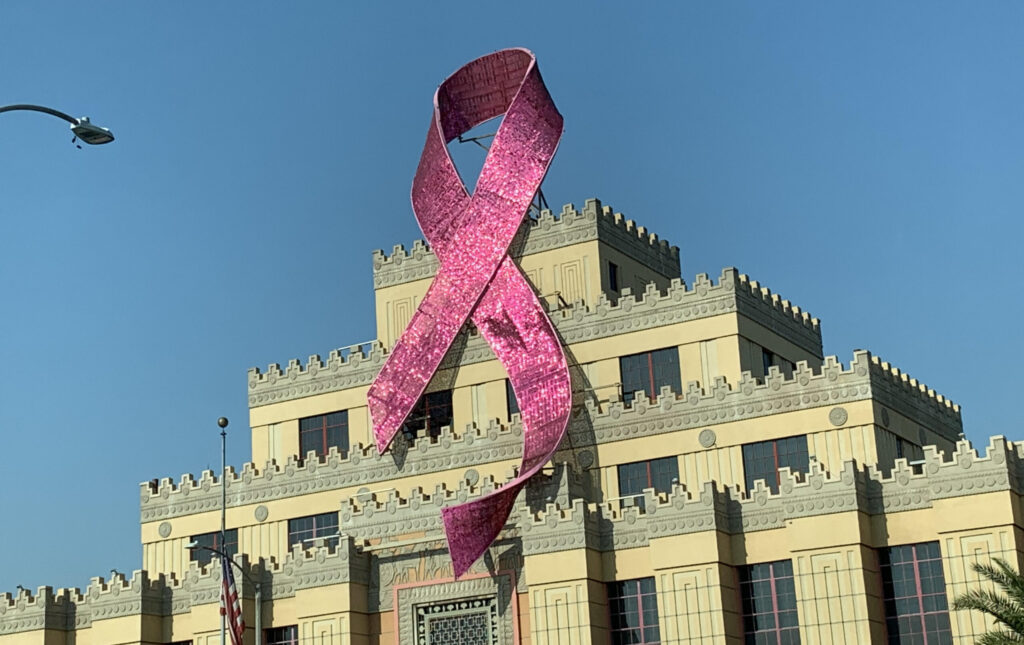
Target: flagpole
223,423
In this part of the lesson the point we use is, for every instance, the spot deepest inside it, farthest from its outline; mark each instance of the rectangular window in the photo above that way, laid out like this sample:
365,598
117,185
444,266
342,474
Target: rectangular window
633,610
281,635
510,400
613,276
914,592
655,473
323,432
763,459
768,603
909,451
767,360
212,541
650,371
432,412
303,530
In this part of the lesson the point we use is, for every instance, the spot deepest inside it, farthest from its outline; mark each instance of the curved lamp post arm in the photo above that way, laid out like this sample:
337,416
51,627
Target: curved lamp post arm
257,584
201,547
40,108
83,128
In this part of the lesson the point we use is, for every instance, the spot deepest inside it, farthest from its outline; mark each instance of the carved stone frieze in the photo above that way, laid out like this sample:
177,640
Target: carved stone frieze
607,526
545,233
828,387
357,366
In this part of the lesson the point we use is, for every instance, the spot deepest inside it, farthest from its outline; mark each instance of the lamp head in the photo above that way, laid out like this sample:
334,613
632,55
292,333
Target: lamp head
194,544
222,422
91,134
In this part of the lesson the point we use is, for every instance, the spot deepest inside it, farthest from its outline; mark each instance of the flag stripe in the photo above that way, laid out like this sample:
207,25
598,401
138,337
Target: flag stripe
231,608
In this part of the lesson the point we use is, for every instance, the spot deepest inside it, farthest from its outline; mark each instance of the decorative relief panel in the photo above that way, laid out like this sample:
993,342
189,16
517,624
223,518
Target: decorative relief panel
482,608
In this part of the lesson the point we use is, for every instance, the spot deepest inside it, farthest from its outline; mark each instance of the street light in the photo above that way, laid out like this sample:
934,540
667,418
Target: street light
82,128
257,584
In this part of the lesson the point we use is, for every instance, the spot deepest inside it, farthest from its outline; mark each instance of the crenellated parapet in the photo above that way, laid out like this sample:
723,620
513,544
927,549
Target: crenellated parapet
732,293
915,400
45,609
547,232
607,526
71,609
344,368
361,466
825,388
67,610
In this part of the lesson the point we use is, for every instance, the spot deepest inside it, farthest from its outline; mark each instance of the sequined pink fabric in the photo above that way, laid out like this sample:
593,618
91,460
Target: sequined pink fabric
477,279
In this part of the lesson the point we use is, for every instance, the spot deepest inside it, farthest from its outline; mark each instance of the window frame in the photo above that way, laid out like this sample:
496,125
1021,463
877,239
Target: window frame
316,530
617,594
773,483
421,414
891,602
205,556
510,400
675,376
322,449
636,498
746,581
281,638
613,276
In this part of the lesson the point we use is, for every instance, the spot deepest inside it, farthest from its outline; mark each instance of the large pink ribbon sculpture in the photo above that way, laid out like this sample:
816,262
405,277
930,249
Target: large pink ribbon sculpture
477,279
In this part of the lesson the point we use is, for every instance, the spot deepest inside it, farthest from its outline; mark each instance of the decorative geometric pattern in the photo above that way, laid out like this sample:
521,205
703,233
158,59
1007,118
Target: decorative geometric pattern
465,622
458,607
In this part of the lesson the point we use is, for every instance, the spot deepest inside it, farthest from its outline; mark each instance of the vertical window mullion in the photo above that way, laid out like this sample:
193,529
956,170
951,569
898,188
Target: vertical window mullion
919,593
650,374
775,603
775,455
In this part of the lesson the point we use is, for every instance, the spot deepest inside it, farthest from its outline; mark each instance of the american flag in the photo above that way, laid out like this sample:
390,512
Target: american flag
230,606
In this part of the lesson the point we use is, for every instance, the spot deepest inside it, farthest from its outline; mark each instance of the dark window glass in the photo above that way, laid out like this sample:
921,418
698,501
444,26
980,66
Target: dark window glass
633,610
281,635
767,360
510,399
914,593
212,541
768,603
650,371
302,530
432,412
655,473
763,459
613,276
323,432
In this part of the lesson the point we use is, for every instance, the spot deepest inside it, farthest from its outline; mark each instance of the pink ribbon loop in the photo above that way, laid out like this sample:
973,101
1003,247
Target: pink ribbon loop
477,279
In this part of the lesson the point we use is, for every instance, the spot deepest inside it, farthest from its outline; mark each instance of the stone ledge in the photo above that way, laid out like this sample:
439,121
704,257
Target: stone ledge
831,385
733,293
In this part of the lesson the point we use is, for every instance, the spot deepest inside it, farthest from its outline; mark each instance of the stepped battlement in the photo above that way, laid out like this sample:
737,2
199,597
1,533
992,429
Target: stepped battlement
853,488
549,231
608,419
732,293
810,386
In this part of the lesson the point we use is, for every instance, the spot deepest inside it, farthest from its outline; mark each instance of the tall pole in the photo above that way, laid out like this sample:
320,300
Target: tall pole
223,423
259,604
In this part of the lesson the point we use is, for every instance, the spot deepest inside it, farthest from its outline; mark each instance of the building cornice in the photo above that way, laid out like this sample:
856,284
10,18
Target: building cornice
828,388
733,293
547,232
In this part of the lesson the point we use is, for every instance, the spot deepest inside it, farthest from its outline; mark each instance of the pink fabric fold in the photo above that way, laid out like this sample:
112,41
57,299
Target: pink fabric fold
478,281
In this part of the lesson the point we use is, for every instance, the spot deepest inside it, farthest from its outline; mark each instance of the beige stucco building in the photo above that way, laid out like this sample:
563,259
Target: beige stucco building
721,482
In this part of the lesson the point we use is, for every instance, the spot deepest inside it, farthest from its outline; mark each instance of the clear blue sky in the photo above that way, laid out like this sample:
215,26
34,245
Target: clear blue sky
864,162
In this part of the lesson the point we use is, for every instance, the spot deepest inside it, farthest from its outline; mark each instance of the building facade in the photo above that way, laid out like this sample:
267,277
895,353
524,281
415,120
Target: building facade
721,482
